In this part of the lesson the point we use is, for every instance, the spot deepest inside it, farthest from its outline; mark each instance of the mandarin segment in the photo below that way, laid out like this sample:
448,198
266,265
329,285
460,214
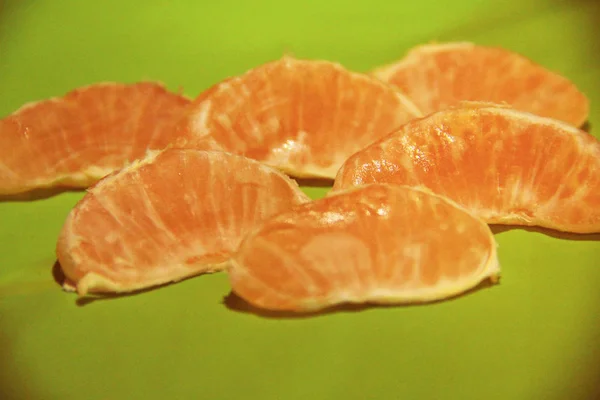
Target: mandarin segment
506,166
437,76
174,214
380,243
304,117
90,132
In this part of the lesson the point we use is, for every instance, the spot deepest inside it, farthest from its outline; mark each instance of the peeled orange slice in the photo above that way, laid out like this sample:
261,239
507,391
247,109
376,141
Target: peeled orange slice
74,140
380,243
174,214
504,165
436,76
303,117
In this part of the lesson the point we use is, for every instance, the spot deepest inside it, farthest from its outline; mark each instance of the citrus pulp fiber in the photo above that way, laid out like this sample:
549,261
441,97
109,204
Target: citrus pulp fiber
303,117
174,214
379,243
504,165
74,140
436,76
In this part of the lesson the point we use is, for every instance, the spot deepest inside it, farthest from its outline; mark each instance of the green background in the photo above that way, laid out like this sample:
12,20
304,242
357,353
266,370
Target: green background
534,336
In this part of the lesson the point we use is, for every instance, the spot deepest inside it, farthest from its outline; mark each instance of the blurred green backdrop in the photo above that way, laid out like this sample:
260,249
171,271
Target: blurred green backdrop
535,336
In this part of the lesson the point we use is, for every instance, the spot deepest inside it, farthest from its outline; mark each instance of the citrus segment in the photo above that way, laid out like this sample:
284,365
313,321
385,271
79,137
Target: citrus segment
303,117
380,243
174,214
504,165
436,76
76,139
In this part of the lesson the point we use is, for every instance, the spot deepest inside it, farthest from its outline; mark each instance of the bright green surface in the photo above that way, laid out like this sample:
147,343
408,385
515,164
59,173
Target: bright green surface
535,336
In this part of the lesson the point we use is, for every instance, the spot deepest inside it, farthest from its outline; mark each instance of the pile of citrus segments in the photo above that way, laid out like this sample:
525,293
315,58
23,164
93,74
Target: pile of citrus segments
421,155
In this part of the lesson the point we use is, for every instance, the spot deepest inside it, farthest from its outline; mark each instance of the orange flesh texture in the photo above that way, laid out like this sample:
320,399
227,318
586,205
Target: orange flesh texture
303,117
507,166
88,133
438,76
377,244
181,214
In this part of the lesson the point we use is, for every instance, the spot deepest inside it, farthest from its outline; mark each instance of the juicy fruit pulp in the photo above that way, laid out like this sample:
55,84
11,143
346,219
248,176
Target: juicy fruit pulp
75,140
302,117
375,244
506,166
172,215
437,76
